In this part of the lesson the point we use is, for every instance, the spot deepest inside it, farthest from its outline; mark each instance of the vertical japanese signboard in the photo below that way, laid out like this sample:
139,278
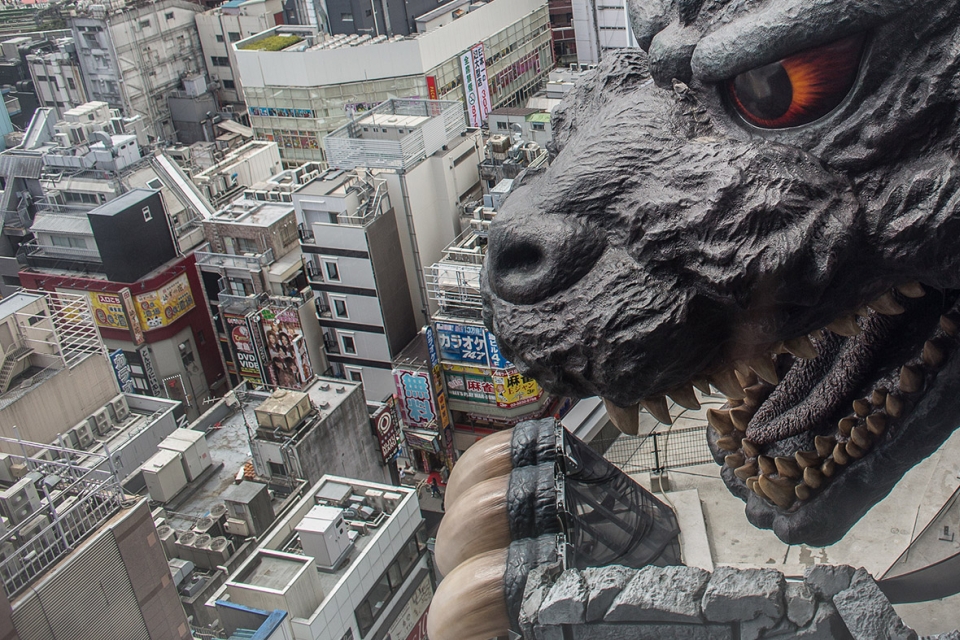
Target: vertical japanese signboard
415,400
388,431
121,368
480,75
476,90
432,92
244,349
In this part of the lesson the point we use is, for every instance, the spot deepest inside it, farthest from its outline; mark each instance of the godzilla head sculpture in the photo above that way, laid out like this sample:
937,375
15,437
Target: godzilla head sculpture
768,201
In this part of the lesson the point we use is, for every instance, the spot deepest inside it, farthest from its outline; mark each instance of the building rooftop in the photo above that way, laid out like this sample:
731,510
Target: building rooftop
16,302
254,213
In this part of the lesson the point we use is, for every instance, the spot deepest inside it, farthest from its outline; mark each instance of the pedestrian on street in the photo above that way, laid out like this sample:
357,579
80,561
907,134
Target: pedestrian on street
434,488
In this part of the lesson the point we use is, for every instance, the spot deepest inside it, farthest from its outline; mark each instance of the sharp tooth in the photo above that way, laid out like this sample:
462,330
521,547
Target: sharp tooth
812,477
719,419
845,326
627,419
861,437
828,468
702,385
767,466
802,492
878,397
801,347
745,379
824,445
846,425
886,305
840,454
807,459
765,368
685,397
734,460
855,451
757,394
912,290
863,312
741,417
728,384
877,424
911,380
932,355
893,406
751,483
750,448
788,467
745,471
949,326
657,407
816,334
727,443
757,489
861,407
780,490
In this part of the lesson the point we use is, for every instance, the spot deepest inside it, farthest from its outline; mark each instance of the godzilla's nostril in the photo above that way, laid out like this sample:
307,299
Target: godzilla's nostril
519,257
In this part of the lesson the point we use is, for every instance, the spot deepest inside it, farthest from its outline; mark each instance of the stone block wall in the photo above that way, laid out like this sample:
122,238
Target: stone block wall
688,603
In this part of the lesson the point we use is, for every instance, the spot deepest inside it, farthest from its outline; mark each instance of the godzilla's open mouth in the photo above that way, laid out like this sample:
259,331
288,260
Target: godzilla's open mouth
815,408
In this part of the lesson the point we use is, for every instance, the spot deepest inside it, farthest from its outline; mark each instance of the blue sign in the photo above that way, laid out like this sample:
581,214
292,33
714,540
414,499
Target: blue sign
469,344
497,361
431,346
121,369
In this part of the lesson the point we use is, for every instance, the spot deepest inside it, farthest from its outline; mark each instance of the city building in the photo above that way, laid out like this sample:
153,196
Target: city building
218,28
240,167
77,554
253,281
57,78
81,162
391,17
143,292
349,560
600,27
318,83
564,35
533,125
306,434
135,55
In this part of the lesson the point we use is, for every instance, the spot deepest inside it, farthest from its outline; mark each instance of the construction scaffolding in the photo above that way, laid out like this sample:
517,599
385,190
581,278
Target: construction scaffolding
69,331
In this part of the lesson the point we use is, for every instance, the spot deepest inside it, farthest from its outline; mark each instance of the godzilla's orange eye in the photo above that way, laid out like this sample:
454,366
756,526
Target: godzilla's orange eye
799,89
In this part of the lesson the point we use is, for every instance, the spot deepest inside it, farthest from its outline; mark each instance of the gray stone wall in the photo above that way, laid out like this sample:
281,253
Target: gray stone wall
687,603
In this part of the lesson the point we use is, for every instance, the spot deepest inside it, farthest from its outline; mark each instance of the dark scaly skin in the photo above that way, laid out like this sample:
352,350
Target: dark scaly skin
668,236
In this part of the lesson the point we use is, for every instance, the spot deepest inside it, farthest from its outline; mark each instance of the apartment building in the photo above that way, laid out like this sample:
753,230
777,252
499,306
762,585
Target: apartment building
600,25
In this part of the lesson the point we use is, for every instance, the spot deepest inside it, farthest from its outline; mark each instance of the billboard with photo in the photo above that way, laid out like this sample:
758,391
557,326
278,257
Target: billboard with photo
243,347
287,362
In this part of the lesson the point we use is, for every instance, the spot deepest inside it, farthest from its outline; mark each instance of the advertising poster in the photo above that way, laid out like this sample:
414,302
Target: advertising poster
244,349
287,363
108,310
470,89
415,400
468,344
388,430
432,92
515,390
480,77
411,623
165,305
469,384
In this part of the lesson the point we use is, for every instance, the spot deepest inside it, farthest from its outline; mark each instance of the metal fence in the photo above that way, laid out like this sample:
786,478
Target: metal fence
659,451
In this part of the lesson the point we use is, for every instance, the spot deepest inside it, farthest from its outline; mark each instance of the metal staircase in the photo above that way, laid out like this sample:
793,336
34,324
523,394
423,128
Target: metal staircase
10,360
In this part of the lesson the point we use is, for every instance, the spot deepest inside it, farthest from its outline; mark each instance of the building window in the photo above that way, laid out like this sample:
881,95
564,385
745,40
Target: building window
355,375
539,126
68,241
501,126
219,38
71,84
144,24
349,346
220,61
241,288
346,17
168,15
339,307
234,36
73,197
156,183
277,469
147,216
246,245
187,356
332,269
387,586
229,84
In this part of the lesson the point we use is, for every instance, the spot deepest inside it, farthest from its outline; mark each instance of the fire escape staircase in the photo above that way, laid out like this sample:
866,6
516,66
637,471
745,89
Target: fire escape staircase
10,360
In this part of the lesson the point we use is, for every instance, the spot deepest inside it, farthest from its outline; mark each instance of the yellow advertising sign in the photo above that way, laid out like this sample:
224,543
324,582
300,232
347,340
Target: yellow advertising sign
165,305
108,310
514,390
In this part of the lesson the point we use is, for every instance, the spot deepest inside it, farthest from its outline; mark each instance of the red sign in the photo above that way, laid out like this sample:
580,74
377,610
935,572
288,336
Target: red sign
420,629
432,92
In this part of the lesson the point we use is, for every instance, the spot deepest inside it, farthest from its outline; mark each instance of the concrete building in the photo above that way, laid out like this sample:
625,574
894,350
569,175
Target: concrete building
532,125
218,28
323,429
564,36
73,165
143,292
250,163
136,55
600,27
388,17
318,82
348,561
57,78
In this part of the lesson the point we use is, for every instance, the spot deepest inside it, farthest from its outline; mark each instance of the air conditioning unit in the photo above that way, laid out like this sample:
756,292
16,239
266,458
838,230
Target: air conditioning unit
84,434
101,420
119,409
20,501
237,527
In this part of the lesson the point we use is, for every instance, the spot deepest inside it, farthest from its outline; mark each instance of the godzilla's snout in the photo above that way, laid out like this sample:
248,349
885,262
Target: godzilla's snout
532,256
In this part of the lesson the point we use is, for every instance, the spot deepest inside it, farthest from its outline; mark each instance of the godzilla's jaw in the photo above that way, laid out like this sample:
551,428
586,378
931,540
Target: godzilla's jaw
817,432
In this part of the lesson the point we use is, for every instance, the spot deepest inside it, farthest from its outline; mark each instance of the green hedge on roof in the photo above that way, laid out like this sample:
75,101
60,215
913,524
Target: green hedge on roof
273,43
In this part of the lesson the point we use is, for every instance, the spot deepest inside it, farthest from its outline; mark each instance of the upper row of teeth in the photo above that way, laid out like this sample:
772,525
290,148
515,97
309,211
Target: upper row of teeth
732,382
784,480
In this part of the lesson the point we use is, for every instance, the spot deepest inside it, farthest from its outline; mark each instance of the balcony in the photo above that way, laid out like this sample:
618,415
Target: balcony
247,262
56,257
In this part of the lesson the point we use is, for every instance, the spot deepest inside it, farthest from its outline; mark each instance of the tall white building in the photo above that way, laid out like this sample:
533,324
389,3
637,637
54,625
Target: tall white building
57,78
600,25
135,55
317,83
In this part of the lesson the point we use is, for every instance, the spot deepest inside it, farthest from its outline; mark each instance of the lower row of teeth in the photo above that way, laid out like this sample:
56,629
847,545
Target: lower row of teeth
786,481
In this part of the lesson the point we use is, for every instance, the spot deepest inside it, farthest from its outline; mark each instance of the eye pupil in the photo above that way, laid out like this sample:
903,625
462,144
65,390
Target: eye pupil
766,92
